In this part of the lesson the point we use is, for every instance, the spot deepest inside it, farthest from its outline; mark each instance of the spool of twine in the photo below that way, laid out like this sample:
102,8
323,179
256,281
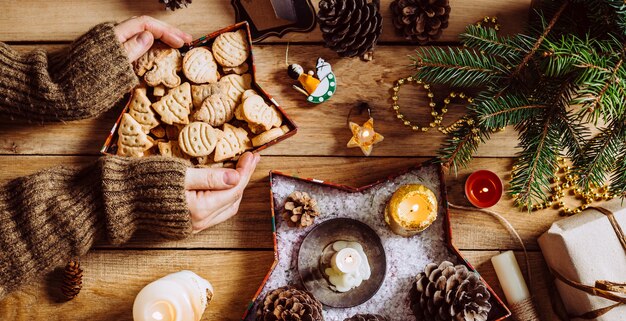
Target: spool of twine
524,310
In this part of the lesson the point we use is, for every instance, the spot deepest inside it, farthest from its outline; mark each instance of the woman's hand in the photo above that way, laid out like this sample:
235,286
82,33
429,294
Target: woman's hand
137,34
214,194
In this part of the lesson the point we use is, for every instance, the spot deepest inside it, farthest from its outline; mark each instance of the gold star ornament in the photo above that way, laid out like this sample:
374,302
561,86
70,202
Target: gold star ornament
364,136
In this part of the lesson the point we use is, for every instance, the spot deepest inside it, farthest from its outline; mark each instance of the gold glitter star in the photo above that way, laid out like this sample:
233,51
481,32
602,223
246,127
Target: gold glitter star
364,136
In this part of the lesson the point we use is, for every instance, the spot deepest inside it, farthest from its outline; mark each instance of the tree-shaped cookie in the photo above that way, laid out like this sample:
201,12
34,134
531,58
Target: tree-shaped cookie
216,110
139,108
234,142
164,70
132,141
231,48
175,106
199,139
200,92
237,84
200,67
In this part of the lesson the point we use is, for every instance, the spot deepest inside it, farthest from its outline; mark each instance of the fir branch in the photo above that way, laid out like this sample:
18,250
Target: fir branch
456,67
540,40
458,150
618,180
536,163
496,112
599,157
486,40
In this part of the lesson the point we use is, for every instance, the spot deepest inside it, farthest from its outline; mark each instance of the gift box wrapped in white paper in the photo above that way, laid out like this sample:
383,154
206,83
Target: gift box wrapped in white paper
586,248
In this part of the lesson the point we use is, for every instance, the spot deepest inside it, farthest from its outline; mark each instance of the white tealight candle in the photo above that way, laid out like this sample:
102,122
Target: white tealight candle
347,260
181,296
510,277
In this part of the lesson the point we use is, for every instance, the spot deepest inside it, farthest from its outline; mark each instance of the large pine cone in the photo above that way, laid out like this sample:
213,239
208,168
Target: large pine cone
72,280
300,210
366,317
175,4
289,304
350,27
446,292
420,20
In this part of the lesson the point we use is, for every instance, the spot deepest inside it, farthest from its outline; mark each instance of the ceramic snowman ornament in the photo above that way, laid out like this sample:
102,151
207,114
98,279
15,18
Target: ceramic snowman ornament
318,86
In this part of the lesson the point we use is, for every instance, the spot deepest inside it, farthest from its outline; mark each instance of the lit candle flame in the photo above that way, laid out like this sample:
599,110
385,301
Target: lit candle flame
349,259
365,134
484,190
157,315
415,208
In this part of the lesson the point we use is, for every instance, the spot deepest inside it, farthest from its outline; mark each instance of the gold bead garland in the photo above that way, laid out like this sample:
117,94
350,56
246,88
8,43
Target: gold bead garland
437,116
566,182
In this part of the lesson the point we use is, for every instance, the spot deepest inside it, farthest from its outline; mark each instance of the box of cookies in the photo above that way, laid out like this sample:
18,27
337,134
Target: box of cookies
201,103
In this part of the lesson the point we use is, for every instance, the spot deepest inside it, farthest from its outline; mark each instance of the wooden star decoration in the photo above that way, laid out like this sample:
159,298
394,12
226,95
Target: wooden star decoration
364,137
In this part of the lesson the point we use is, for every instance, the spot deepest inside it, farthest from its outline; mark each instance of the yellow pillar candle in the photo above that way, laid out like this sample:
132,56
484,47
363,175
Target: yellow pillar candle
411,209
510,277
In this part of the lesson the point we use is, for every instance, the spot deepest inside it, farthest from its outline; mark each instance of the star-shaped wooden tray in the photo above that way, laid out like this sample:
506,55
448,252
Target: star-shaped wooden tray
406,257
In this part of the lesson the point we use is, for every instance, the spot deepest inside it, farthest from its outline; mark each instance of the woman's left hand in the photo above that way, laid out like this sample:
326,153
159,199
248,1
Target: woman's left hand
137,34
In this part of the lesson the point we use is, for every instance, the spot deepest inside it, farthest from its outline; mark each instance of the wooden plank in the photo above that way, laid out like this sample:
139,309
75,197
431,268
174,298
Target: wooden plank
251,228
64,20
112,279
323,128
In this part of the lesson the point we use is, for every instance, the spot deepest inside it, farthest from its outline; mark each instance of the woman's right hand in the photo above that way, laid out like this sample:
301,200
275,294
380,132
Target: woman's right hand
214,194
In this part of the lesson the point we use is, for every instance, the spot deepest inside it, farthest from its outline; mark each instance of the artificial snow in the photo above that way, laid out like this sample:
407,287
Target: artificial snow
406,257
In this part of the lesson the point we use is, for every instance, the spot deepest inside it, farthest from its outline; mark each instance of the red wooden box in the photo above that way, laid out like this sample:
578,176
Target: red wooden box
110,145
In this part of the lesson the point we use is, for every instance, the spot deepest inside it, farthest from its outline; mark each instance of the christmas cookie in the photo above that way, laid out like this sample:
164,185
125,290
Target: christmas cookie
239,70
158,91
231,48
236,85
200,92
200,67
158,132
164,71
216,110
259,116
269,136
146,61
175,106
199,139
132,140
171,149
234,142
139,109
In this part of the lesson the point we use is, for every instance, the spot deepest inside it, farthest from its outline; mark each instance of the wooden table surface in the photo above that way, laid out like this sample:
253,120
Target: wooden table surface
236,255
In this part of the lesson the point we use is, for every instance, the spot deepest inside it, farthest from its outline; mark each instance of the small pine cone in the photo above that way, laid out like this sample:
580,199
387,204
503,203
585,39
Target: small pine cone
287,303
366,317
350,27
72,280
421,21
175,4
446,292
300,210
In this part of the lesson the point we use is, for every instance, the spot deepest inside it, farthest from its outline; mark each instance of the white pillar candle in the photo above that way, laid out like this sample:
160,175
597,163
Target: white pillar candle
181,296
347,260
510,277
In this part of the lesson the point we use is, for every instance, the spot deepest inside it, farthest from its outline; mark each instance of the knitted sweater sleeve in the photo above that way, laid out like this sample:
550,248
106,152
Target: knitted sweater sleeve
56,214
82,81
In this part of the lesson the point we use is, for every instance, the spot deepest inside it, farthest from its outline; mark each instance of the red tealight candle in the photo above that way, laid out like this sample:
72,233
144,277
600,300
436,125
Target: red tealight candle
483,188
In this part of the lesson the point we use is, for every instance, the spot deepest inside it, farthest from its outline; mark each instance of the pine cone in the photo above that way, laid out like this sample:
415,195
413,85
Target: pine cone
300,210
366,317
350,27
72,280
420,20
175,4
446,292
289,304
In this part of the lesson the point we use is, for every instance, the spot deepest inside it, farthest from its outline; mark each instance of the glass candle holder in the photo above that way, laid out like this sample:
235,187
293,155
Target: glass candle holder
483,188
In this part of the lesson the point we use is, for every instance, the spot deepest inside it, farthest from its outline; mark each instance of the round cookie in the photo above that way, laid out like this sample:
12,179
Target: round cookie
200,67
269,136
198,139
230,49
